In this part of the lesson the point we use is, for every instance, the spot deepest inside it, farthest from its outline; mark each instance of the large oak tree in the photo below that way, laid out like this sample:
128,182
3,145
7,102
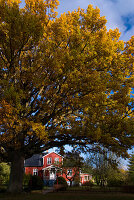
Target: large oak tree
63,80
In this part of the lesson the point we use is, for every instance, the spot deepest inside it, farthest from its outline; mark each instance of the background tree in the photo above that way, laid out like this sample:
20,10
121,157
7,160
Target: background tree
71,166
88,165
101,169
63,80
104,166
61,150
131,168
4,173
117,177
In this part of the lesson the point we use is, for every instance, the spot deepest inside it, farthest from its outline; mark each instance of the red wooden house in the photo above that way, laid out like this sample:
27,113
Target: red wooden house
85,177
44,165
47,166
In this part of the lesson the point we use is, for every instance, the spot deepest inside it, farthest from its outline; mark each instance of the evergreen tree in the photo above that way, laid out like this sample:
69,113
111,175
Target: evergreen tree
131,168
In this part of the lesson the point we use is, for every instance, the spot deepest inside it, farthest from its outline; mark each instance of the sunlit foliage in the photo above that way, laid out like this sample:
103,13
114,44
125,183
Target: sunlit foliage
63,80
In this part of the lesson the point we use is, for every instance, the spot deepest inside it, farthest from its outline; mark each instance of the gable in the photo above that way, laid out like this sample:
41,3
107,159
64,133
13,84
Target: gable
53,154
40,160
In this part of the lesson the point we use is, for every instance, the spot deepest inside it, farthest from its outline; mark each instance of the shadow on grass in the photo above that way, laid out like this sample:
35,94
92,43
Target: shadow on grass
67,196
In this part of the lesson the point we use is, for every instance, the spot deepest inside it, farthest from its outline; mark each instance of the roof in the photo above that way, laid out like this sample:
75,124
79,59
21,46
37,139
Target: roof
35,161
85,174
54,153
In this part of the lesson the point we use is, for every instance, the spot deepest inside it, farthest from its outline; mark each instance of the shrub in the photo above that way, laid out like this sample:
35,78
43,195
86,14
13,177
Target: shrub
3,188
88,183
115,183
4,173
76,184
128,188
117,178
26,179
36,183
61,181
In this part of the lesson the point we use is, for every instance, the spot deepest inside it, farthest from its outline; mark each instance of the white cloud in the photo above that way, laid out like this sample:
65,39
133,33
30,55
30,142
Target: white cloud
127,35
114,10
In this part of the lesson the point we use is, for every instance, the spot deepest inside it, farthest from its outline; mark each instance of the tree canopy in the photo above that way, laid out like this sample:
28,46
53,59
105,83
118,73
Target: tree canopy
63,80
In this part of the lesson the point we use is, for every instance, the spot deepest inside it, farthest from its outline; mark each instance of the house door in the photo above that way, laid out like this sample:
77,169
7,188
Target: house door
52,174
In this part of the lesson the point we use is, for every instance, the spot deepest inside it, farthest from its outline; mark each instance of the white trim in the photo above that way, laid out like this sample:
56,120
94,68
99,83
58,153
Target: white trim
56,160
35,171
52,152
86,178
48,167
68,171
43,161
51,166
49,160
85,174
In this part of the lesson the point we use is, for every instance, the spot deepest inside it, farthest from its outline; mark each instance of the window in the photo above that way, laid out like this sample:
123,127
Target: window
56,160
49,161
35,172
69,172
86,178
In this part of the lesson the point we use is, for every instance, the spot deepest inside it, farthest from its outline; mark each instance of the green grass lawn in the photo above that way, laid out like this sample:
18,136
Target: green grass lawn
69,196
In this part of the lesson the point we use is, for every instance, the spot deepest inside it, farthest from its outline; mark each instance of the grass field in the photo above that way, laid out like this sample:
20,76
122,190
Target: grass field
69,196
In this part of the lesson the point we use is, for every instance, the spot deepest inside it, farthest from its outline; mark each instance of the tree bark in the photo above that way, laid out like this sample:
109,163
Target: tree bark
16,174
71,183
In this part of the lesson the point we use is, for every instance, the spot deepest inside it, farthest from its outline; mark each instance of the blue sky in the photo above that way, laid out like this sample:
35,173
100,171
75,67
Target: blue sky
119,13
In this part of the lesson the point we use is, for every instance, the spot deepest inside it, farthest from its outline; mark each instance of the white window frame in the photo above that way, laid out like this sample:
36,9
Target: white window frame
69,172
49,160
35,172
56,160
86,178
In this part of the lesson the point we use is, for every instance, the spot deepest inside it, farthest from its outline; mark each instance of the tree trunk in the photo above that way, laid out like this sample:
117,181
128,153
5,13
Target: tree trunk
16,173
70,183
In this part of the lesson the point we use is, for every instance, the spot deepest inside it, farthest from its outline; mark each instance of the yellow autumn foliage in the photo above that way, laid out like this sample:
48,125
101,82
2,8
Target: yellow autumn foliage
63,77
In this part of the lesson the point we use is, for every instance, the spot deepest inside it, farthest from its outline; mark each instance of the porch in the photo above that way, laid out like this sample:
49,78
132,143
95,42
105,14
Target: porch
50,174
